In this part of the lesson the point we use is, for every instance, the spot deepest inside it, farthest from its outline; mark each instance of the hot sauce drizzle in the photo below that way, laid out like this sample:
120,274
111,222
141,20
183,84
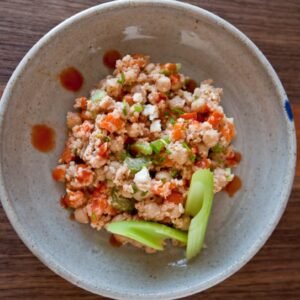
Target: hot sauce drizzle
110,57
42,138
71,79
233,186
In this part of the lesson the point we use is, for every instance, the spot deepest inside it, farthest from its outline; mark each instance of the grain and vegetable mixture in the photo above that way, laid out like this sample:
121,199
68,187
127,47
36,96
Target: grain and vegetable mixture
135,142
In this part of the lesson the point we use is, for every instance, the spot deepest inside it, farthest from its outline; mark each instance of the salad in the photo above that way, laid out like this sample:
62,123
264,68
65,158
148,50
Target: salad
145,153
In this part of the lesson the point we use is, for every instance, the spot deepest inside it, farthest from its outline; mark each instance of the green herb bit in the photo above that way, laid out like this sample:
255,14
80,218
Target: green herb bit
122,79
144,194
106,139
192,158
166,139
124,155
217,148
174,173
178,67
186,146
138,108
157,160
165,72
178,111
93,217
172,121
124,110
134,187
168,151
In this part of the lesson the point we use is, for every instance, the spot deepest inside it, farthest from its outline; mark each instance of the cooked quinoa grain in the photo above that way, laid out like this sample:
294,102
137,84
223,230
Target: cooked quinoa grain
135,142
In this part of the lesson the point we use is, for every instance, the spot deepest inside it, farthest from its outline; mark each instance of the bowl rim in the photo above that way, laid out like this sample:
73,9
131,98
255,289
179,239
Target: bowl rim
47,259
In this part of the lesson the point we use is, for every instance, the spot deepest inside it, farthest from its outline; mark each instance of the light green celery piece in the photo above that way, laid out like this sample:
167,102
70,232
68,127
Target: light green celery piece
142,148
200,180
98,95
138,108
157,145
199,205
147,233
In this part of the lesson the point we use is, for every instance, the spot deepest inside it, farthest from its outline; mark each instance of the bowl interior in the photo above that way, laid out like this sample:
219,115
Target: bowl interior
207,49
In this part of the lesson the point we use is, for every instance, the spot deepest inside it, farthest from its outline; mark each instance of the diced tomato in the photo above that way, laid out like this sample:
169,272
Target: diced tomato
175,81
233,158
103,150
84,174
191,85
175,197
100,189
203,163
59,173
189,116
215,118
101,206
161,97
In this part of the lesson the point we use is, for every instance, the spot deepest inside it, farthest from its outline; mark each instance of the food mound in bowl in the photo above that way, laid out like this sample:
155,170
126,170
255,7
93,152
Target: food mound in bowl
145,153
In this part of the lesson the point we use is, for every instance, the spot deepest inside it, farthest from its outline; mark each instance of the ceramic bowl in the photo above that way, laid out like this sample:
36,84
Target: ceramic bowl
207,47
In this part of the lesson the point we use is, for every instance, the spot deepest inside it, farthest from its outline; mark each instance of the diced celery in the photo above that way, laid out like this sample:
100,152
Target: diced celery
138,108
157,145
142,148
121,203
199,203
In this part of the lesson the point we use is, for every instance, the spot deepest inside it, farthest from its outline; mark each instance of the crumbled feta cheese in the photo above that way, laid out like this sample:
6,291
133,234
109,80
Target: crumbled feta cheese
155,126
138,97
211,138
142,180
163,84
177,102
198,105
178,153
151,111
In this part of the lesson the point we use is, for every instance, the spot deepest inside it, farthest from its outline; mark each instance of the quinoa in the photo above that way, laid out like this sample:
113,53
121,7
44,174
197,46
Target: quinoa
135,142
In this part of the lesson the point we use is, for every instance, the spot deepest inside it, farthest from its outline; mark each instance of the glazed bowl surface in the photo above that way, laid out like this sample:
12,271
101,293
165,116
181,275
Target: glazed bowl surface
207,47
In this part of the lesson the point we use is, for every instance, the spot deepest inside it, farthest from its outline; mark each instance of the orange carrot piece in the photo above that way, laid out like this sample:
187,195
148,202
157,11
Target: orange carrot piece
177,132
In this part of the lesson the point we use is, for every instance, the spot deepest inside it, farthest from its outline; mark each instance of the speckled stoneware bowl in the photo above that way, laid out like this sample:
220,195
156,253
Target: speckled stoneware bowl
207,47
